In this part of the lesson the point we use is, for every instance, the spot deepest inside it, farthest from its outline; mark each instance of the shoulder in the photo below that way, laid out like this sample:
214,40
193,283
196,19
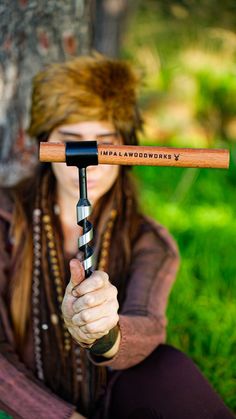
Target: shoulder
152,236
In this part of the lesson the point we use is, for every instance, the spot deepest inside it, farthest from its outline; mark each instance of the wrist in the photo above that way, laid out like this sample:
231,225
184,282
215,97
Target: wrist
113,351
104,345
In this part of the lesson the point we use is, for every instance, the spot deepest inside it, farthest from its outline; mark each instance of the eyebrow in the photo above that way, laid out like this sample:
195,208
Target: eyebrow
73,134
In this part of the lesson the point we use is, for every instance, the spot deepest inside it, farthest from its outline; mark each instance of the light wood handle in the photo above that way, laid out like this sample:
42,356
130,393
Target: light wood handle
52,152
145,155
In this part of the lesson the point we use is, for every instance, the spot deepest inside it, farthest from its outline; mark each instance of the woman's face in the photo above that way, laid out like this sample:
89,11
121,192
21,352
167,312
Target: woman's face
100,178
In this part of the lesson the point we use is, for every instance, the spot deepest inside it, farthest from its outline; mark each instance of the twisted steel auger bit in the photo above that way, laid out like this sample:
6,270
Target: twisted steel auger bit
83,154
88,153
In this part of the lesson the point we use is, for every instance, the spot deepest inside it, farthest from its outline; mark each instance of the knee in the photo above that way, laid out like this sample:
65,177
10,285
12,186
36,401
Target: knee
164,365
164,360
165,370
168,356
168,381
170,364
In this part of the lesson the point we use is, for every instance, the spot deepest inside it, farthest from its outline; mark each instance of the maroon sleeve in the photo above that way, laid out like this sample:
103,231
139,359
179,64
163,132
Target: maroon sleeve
21,394
142,320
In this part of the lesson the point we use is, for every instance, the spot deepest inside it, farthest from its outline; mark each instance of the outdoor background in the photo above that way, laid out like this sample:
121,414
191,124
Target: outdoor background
187,55
185,52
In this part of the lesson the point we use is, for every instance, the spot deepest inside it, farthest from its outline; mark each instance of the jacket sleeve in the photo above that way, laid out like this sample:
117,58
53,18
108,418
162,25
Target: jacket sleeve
21,394
142,319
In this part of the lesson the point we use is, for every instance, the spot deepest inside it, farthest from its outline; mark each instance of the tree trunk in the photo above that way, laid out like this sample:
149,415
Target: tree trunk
108,22
32,34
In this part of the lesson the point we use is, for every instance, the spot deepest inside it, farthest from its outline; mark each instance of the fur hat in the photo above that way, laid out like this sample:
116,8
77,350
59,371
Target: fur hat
85,89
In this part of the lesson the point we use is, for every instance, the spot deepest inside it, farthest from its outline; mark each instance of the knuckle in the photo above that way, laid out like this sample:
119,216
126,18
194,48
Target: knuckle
90,328
97,280
88,300
85,316
75,320
82,334
92,335
105,276
113,307
101,277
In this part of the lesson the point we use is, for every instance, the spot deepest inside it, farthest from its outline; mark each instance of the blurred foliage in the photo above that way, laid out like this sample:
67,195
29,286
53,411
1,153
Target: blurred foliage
185,51
188,67
4,415
196,206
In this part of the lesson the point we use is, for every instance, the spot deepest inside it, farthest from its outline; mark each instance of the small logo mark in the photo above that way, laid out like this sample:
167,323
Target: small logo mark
176,157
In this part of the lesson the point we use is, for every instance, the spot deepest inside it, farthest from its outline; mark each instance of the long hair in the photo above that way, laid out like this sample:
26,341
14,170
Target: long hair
23,197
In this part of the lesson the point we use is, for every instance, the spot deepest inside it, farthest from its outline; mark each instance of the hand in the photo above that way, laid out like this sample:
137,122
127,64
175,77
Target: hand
90,309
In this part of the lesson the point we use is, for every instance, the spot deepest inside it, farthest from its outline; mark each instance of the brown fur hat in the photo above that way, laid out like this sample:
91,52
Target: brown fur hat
85,89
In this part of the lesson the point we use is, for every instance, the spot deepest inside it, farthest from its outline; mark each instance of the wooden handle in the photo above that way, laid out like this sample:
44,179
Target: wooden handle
145,155
52,152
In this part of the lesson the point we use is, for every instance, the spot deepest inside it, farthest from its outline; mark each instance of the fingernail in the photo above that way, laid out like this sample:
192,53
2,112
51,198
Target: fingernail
72,264
74,291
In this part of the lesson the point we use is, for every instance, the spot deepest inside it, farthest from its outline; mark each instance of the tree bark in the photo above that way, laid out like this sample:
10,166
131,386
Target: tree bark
32,34
108,22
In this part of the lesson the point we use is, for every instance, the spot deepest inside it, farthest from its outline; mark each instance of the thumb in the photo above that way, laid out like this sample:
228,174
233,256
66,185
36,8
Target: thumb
77,276
77,272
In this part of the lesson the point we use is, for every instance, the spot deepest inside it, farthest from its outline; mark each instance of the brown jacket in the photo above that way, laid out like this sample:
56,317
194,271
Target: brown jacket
142,321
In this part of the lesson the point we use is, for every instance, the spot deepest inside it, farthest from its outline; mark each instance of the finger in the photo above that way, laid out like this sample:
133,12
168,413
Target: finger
91,299
80,336
97,280
101,325
83,337
95,313
77,273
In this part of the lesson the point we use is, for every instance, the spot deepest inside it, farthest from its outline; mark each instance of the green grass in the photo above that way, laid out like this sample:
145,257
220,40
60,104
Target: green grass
4,415
198,207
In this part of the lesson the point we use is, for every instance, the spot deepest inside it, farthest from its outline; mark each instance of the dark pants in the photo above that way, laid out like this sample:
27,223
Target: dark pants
166,385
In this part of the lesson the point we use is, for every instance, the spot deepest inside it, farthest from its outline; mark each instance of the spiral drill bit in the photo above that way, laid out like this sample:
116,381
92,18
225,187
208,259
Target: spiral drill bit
83,210
82,154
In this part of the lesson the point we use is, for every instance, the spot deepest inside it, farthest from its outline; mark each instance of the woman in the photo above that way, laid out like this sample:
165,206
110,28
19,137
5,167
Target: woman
72,346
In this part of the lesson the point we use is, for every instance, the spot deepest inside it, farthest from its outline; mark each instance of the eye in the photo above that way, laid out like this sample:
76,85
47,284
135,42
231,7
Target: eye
107,139
67,138
105,142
